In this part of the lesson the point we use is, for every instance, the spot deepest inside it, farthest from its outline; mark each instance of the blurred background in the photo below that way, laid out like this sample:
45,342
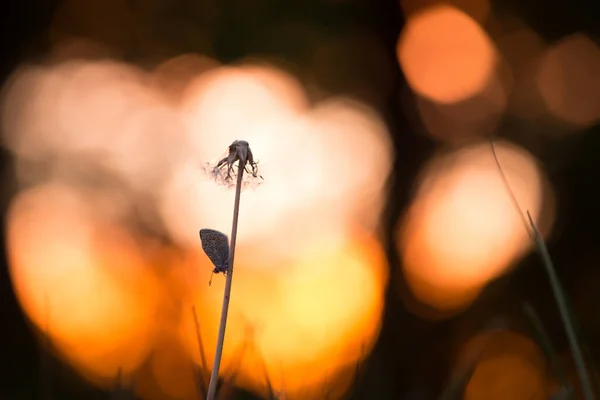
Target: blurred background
386,253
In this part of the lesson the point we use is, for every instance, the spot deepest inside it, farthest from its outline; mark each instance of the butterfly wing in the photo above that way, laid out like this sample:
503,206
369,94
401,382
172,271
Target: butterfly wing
216,246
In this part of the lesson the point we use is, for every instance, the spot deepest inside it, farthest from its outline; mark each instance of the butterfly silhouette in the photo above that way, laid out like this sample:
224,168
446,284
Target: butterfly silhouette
216,246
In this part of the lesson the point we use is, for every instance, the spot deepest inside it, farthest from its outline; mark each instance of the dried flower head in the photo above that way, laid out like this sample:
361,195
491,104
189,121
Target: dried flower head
215,243
224,172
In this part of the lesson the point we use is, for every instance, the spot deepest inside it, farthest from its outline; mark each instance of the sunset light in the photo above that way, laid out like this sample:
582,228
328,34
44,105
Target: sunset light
463,228
446,56
116,233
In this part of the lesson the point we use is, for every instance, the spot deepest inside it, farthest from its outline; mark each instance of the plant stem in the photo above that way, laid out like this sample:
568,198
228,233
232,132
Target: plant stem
200,375
214,376
588,392
544,340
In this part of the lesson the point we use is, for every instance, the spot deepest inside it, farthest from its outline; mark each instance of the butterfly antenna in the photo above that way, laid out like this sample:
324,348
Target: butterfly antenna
210,280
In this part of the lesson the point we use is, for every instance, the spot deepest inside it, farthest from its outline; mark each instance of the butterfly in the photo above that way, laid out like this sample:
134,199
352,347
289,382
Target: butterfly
216,246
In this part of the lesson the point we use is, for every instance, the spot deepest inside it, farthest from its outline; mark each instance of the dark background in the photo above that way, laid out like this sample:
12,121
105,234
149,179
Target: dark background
572,164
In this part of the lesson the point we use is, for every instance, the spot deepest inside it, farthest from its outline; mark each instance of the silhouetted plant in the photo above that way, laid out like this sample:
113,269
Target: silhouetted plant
214,243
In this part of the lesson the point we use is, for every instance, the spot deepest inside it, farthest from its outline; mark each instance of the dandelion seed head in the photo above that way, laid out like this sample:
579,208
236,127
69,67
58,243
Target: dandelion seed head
225,171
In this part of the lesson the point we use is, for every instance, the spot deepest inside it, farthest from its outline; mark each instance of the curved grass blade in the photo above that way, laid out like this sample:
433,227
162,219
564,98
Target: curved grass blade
561,302
546,343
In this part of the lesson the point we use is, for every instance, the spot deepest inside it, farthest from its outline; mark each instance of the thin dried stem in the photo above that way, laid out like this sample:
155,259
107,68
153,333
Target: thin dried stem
200,374
268,383
559,295
546,342
241,153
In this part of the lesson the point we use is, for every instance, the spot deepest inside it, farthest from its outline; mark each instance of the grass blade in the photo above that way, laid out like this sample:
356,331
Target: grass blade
561,302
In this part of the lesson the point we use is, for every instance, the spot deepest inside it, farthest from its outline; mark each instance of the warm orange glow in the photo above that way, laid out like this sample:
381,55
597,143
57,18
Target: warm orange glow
173,76
172,373
81,281
569,82
445,55
113,156
310,316
294,145
468,120
522,48
104,112
462,229
476,9
512,367
69,48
